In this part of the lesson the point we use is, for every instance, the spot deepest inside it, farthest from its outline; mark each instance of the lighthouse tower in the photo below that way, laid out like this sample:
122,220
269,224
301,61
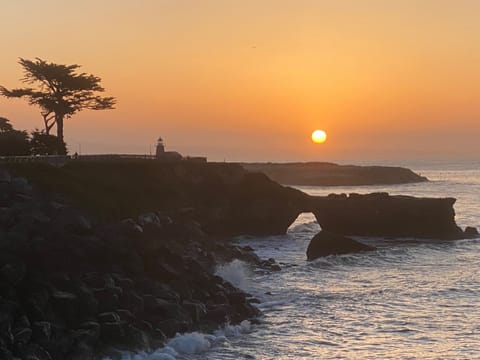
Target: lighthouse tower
160,148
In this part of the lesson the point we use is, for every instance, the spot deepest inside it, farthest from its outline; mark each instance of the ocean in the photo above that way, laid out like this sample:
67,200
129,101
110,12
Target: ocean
410,299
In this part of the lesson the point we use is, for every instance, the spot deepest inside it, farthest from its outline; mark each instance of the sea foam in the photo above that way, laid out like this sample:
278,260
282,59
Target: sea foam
236,272
191,343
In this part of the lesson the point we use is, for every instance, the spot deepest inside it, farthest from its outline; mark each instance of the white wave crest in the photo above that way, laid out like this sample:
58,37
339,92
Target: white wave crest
236,272
191,343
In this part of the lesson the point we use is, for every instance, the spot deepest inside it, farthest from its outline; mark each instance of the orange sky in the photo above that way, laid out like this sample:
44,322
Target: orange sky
250,80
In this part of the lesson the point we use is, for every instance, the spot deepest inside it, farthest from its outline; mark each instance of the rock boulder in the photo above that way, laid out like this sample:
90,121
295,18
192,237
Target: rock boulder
326,243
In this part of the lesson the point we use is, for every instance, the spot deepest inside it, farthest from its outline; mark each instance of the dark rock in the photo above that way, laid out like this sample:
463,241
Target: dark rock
5,176
236,297
88,332
196,310
34,352
65,304
379,214
471,232
124,283
125,315
275,267
137,339
328,174
5,354
219,313
247,248
97,280
131,301
148,219
20,185
107,298
22,336
131,227
112,332
108,317
21,331
41,331
88,304
13,271
170,327
326,243
82,351
73,222
6,217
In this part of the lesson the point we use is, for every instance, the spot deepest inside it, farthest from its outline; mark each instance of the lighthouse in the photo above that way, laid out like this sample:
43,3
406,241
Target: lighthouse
160,152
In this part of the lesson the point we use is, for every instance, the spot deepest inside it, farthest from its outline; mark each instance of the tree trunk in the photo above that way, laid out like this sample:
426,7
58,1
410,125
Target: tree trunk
59,121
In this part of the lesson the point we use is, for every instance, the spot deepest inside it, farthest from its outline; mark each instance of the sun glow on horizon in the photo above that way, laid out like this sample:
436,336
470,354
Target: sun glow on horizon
319,136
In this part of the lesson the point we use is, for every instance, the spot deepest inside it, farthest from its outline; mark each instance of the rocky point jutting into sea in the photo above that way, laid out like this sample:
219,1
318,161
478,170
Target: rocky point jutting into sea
330,174
98,257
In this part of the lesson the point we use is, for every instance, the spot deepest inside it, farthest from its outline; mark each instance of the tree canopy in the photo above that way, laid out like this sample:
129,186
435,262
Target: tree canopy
46,144
12,142
5,125
60,91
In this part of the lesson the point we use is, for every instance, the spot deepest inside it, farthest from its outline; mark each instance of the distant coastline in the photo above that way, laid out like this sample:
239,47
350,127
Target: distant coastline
331,174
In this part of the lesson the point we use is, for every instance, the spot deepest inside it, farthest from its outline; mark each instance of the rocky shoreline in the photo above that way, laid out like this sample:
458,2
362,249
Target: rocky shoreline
75,289
98,258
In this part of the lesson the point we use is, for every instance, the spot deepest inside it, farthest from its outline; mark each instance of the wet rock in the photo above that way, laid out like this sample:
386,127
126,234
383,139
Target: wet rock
326,243
136,338
219,313
236,297
196,310
275,267
247,248
170,327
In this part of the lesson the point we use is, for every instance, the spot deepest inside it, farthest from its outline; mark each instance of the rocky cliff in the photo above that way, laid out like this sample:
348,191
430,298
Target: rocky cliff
224,198
73,286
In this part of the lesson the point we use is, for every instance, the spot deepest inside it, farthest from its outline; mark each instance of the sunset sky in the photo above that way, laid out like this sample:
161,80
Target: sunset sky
251,79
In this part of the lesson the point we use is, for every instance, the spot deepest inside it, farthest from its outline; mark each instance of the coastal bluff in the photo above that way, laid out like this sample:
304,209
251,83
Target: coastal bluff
227,200
330,174
223,198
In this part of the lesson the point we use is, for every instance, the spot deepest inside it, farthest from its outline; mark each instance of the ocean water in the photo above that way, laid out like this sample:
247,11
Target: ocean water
408,300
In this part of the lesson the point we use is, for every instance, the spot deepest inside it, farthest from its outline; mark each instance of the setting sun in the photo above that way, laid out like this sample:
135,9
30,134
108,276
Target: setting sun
319,136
